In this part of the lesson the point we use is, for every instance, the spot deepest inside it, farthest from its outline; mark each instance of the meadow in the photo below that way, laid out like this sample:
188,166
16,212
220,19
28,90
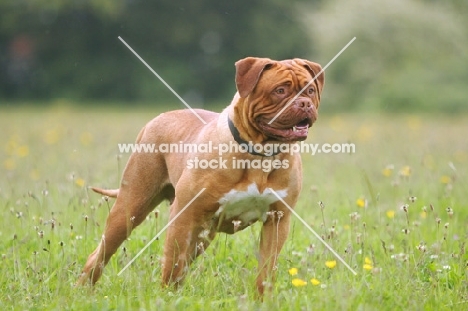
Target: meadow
395,210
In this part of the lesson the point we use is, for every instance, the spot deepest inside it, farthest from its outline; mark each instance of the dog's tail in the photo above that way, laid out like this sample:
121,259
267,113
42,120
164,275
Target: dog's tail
113,193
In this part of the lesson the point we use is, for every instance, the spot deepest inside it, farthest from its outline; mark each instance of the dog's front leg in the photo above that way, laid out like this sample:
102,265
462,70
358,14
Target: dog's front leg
273,235
186,238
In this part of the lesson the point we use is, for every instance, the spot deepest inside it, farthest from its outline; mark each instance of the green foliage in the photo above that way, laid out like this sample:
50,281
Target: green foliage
192,44
409,55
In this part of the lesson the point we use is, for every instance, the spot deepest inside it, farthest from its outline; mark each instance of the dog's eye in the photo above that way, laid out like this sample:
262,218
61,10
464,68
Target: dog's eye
311,91
280,91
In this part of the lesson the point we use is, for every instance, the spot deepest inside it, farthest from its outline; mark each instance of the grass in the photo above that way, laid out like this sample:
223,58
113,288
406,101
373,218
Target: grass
395,210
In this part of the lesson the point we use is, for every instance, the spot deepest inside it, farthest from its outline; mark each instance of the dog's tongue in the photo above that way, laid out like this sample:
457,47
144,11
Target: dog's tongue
303,124
297,132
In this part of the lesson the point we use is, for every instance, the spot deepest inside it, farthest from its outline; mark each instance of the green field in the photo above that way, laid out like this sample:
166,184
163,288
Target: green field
406,260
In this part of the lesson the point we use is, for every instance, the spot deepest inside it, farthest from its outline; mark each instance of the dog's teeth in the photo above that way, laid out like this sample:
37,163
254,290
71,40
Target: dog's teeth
294,129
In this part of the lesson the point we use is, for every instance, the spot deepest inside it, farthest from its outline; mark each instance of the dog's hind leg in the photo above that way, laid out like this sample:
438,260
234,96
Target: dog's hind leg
144,185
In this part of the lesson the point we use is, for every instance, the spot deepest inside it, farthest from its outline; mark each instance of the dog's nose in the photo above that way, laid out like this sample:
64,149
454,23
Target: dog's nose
303,103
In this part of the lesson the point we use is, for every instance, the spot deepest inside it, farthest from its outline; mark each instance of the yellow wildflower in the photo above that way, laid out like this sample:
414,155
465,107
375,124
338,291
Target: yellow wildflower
22,151
361,202
86,138
315,282
11,145
298,282
390,213
293,271
367,267
445,179
330,264
80,182
367,264
52,136
405,171
388,171
9,164
365,133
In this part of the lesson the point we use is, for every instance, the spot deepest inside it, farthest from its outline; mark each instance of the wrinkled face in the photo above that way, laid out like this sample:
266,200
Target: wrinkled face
277,96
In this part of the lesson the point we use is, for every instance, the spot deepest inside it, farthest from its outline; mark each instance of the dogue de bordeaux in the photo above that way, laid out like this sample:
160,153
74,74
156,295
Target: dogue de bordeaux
235,196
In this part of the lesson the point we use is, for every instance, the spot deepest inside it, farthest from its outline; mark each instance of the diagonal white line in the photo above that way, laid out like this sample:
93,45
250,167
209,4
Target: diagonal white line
160,232
315,233
162,80
311,81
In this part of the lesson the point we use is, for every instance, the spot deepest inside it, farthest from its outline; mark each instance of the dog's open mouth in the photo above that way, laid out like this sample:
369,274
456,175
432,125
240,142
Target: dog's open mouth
301,126
298,131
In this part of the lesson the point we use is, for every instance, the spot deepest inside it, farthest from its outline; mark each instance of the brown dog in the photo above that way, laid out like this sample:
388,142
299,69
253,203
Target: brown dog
238,191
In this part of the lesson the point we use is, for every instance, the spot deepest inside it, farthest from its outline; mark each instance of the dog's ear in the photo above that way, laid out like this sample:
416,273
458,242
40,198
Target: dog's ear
314,70
248,72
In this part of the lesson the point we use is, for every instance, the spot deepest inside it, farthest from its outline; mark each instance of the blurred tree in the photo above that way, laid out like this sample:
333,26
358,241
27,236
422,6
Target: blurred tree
409,55
70,48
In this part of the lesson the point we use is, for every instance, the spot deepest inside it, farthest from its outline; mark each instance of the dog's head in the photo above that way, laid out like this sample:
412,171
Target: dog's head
271,90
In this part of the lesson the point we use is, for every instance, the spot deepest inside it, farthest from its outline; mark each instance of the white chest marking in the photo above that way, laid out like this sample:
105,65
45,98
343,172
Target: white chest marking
249,205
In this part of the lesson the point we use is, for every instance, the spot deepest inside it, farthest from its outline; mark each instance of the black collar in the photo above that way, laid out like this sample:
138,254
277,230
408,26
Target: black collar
247,145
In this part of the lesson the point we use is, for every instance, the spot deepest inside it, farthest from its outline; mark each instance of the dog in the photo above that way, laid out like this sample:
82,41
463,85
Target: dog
235,196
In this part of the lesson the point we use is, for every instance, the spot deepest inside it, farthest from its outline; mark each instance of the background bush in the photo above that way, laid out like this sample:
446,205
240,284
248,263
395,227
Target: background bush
408,56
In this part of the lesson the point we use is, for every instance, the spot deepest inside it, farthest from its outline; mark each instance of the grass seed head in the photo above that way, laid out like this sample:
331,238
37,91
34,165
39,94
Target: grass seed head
354,216
422,247
449,211
358,238
322,206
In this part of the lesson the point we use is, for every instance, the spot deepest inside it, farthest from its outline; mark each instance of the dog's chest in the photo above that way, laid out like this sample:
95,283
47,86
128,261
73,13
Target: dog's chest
239,209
